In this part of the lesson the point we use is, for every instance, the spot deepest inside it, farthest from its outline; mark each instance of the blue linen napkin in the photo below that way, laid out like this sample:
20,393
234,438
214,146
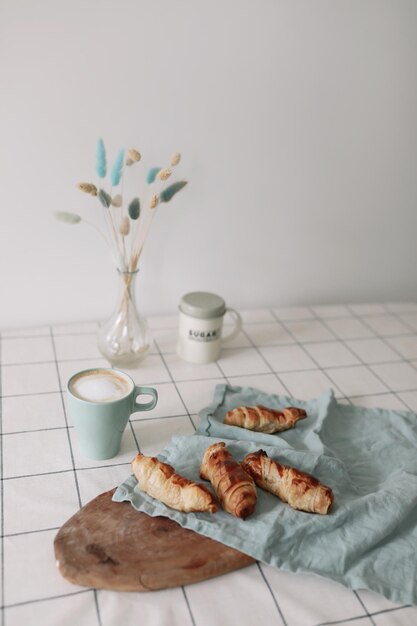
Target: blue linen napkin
367,456
303,436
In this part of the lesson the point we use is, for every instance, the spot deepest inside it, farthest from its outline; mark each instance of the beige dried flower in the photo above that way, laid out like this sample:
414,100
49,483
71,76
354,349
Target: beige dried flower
164,174
124,227
117,201
134,155
175,159
88,188
153,202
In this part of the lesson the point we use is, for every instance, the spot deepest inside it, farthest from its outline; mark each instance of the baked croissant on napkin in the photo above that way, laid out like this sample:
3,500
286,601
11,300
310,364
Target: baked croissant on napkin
300,490
160,481
264,420
234,487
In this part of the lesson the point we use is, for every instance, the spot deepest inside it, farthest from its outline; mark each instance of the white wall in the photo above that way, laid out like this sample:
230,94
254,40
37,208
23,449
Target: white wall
298,125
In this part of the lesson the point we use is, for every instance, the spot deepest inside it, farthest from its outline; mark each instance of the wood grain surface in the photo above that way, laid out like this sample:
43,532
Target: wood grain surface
110,545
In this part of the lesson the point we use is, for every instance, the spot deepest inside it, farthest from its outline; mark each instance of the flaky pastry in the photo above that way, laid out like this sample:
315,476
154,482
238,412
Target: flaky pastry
160,481
300,490
234,487
264,420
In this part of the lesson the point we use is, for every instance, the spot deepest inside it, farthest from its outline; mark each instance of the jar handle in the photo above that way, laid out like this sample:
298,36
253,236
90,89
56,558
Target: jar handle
238,325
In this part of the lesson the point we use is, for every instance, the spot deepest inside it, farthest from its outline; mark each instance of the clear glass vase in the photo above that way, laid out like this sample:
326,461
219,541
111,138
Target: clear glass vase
124,339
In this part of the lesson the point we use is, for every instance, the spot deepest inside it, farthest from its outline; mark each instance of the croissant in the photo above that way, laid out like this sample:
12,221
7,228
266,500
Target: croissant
264,420
160,481
300,490
234,487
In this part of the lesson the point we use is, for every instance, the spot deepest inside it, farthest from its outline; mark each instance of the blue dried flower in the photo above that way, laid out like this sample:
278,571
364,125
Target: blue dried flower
152,174
169,192
68,218
101,166
116,172
104,198
134,209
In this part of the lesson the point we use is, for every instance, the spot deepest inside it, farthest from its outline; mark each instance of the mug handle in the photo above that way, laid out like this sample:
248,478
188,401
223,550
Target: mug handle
146,391
237,328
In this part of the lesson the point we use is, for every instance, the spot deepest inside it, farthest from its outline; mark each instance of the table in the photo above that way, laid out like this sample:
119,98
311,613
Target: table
366,352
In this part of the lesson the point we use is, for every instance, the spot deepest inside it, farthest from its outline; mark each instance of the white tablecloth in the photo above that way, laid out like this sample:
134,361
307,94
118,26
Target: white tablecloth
367,353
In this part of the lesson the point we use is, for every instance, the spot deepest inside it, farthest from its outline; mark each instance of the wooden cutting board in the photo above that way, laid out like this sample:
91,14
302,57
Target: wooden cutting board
110,545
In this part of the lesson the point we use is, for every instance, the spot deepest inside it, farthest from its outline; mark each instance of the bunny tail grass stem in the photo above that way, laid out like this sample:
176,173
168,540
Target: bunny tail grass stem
137,224
100,232
127,296
112,213
123,239
141,238
116,217
124,251
115,238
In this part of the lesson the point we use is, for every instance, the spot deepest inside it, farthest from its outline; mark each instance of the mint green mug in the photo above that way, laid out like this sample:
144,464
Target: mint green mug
100,402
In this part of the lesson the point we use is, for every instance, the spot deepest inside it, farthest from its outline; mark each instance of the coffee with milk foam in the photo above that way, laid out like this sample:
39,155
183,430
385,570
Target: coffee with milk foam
99,386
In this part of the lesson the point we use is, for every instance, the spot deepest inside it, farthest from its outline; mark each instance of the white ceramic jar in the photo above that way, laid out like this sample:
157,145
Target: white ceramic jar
200,329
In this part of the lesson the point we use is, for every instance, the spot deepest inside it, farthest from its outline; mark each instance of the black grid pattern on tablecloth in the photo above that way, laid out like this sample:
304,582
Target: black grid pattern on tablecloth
320,350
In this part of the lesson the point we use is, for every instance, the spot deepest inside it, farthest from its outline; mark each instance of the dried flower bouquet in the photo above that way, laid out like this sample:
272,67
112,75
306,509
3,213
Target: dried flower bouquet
124,339
128,222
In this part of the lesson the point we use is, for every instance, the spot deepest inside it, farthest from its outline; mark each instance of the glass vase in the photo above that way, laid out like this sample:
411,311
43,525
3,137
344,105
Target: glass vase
124,339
